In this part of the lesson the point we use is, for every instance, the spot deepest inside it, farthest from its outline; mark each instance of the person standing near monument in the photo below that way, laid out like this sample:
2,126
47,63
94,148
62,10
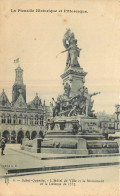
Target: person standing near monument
2,145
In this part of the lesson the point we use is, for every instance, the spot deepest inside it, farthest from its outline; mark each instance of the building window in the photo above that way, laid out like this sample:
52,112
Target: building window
36,120
3,120
26,120
31,120
9,119
41,120
20,119
15,120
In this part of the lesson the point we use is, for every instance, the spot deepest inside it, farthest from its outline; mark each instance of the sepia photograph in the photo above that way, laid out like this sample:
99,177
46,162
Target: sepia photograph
59,98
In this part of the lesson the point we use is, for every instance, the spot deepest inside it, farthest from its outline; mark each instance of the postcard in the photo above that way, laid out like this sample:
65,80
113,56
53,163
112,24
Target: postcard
59,97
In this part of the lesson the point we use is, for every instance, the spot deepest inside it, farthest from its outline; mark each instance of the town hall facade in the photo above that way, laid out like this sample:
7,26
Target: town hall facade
19,119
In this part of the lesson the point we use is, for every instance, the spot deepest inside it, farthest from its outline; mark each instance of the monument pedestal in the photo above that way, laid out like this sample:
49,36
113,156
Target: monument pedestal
75,77
81,135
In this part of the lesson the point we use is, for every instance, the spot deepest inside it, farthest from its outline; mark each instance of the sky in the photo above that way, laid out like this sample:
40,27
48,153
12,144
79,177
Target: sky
36,39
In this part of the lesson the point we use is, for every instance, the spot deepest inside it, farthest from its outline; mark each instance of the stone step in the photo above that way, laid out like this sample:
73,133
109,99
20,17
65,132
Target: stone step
61,167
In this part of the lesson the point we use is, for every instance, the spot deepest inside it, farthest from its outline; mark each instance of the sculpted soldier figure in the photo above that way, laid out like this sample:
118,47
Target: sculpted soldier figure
75,105
89,103
67,89
70,43
78,103
56,108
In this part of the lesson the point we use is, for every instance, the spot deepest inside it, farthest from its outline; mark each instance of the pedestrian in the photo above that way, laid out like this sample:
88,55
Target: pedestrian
2,145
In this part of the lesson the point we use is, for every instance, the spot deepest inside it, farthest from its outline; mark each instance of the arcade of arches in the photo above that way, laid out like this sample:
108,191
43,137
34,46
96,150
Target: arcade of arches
17,136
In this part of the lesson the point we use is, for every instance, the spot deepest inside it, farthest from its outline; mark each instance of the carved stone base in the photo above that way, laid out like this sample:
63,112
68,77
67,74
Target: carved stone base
65,145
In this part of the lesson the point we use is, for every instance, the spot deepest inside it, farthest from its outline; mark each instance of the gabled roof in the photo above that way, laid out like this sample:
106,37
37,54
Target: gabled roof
20,102
4,101
36,103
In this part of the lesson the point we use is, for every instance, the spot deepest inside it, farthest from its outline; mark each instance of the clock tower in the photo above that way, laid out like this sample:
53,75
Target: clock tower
18,87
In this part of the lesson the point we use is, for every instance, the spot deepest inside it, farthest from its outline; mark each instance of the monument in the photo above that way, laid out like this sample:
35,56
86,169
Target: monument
74,128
